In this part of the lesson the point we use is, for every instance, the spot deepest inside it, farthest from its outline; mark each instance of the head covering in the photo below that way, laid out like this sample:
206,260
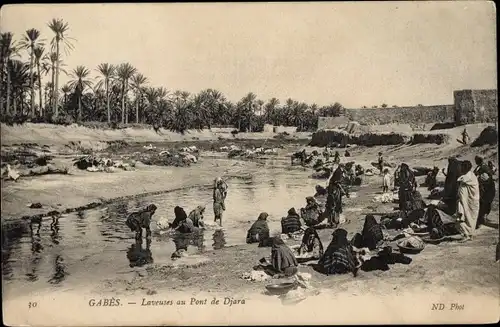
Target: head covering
278,241
310,199
200,208
372,232
337,175
180,214
339,238
292,212
151,208
466,166
320,190
479,160
263,216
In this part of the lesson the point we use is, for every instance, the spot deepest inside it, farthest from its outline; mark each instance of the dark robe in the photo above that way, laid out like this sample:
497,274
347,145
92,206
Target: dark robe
291,223
282,258
338,257
486,191
259,230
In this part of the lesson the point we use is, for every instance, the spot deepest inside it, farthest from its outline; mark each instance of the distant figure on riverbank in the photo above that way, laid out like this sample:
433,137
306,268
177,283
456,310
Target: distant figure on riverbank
138,220
465,137
380,163
219,197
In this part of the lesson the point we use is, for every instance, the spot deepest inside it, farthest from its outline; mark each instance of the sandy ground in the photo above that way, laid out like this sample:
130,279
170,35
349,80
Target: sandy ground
457,269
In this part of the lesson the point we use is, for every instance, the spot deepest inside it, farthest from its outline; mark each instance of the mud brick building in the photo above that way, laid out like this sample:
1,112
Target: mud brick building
475,106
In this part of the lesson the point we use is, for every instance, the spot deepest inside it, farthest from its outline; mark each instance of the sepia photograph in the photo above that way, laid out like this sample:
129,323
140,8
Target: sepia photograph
270,163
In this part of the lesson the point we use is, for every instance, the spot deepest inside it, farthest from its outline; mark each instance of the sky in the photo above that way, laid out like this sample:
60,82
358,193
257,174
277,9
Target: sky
358,54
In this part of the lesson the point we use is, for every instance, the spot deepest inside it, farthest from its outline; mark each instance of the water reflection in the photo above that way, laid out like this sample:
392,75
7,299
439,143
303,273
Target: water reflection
138,256
36,257
59,271
54,227
182,241
219,239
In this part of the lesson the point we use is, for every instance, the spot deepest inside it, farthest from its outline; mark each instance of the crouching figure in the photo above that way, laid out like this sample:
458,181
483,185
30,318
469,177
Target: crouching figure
138,220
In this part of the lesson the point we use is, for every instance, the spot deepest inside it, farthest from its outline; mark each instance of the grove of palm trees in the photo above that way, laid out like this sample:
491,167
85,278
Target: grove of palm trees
117,93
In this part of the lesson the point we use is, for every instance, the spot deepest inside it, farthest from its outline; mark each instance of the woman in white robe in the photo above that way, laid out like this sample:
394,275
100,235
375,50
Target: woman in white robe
468,201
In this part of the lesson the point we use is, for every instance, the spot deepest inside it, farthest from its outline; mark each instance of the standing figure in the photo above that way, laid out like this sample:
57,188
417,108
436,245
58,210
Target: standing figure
486,189
465,136
334,199
219,196
336,158
468,201
406,190
380,163
326,154
386,181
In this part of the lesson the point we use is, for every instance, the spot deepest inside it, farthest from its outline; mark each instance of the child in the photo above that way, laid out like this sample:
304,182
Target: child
380,162
386,181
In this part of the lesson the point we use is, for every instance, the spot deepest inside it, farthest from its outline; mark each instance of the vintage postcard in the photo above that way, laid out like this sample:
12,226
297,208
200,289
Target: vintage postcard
249,163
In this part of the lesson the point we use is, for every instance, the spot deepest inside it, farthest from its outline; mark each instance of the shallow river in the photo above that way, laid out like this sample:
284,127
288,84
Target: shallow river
93,245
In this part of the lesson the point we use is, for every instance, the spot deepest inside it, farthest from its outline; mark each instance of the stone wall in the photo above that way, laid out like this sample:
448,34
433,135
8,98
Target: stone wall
402,115
475,106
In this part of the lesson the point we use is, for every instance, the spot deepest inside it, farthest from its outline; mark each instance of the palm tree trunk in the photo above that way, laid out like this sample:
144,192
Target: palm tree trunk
107,101
123,104
56,85
8,91
40,89
79,107
2,63
137,111
52,91
32,81
14,104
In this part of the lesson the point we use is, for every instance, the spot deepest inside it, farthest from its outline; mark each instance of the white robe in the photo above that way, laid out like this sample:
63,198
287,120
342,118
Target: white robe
468,202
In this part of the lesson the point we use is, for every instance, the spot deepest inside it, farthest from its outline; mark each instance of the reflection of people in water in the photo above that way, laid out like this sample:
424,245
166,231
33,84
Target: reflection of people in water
36,250
54,227
59,271
182,241
219,239
137,255
36,220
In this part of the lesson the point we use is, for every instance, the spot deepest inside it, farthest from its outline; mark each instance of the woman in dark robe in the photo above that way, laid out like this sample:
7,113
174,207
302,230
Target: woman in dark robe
371,237
338,257
283,261
486,189
180,215
454,170
291,223
439,224
311,244
334,198
312,213
259,231
407,186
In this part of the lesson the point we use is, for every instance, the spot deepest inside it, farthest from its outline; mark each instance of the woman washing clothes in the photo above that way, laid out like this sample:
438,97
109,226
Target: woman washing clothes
468,201
180,216
312,213
283,262
259,231
196,216
338,257
439,224
291,223
371,236
334,200
311,246
486,189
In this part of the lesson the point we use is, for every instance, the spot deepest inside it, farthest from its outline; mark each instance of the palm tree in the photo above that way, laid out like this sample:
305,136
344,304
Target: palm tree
108,72
270,110
125,72
60,28
30,41
137,83
8,49
79,82
66,89
19,75
38,53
